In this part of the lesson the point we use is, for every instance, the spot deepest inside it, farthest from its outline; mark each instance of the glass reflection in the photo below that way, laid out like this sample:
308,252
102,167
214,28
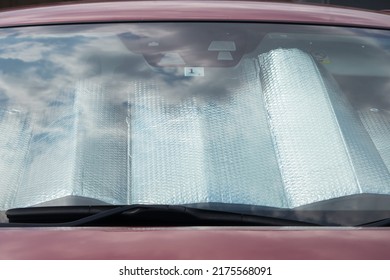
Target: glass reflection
110,113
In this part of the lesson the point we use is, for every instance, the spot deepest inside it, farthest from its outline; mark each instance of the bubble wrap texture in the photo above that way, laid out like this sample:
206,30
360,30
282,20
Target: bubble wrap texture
313,159
166,153
204,150
372,174
78,146
101,170
15,134
283,135
49,169
377,123
241,165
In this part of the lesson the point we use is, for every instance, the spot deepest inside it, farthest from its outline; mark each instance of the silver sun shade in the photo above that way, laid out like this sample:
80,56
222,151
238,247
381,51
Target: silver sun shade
282,136
322,147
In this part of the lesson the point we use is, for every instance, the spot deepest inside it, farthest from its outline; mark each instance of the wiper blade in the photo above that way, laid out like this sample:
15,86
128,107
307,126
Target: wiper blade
137,215
61,215
379,223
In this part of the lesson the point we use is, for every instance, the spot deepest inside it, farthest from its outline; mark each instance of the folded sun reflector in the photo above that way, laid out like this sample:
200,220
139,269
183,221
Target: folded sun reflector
15,134
287,141
322,148
203,149
78,146
283,135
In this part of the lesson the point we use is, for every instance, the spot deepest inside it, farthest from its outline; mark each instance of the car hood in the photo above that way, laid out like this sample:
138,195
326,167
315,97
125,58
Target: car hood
194,243
192,10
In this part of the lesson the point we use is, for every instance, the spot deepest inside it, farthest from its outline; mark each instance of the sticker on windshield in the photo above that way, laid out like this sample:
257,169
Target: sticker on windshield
194,71
321,57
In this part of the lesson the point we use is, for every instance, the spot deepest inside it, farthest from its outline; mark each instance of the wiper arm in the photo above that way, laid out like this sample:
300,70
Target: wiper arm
60,216
137,215
379,223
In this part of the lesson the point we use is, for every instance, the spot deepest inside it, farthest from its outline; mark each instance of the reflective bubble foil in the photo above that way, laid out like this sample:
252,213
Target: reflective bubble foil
77,146
242,165
102,134
275,131
15,132
51,162
166,148
206,147
313,158
377,124
361,139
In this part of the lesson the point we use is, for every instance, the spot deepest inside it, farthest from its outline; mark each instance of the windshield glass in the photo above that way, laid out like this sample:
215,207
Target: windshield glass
257,115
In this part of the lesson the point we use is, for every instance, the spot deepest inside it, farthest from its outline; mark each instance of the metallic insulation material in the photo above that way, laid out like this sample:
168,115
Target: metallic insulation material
366,156
166,148
203,149
377,123
312,154
77,146
241,163
15,132
50,166
101,160
277,131
323,148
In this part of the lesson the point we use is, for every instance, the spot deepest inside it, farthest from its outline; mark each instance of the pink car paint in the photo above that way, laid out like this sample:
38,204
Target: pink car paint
192,11
194,242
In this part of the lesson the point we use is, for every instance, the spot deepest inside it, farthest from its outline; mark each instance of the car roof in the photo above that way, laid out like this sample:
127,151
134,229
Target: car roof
192,11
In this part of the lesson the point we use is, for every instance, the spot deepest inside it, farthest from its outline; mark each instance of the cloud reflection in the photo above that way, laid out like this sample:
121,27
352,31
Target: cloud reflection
92,112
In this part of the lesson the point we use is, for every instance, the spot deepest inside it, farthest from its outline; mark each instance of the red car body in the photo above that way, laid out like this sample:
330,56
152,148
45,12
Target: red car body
192,11
194,242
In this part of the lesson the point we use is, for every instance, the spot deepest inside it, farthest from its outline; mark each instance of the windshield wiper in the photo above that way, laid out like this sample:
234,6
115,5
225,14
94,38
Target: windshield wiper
379,223
137,215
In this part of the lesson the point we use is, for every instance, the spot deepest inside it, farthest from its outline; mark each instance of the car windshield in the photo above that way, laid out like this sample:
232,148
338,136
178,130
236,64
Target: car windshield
250,115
